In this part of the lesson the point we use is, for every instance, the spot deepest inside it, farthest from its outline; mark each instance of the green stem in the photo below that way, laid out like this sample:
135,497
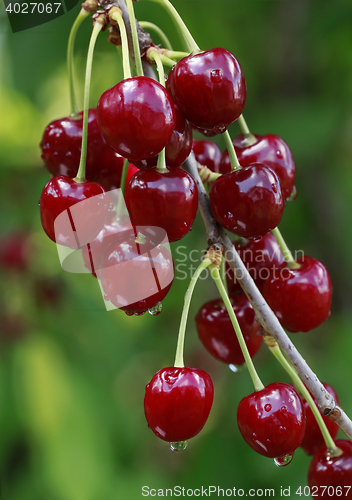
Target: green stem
155,56
223,274
290,261
235,165
252,371
172,54
276,351
116,16
120,203
70,47
81,174
164,39
137,52
179,362
166,60
249,138
192,46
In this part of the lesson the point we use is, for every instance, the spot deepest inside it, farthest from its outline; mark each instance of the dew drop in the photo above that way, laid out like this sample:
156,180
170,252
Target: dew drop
216,76
293,194
178,445
283,409
283,461
267,407
237,368
274,188
279,154
154,311
129,313
220,129
139,313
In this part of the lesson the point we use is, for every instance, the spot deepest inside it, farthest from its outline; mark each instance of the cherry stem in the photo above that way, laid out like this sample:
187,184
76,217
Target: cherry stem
206,174
172,54
248,136
223,275
179,362
276,351
70,64
165,41
81,174
193,47
290,261
120,203
136,49
235,164
155,56
214,271
116,16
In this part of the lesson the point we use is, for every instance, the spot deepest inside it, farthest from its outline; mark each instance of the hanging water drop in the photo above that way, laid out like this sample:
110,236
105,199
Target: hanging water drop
237,368
216,76
154,311
283,461
178,445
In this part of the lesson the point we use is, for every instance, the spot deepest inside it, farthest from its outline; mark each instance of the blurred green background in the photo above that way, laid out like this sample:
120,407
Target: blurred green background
72,375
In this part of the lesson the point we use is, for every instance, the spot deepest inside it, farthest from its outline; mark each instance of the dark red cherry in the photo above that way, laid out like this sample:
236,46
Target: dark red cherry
61,150
136,276
207,153
270,150
259,257
248,201
209,89
15,251
331,477
313,438
177,402
165,199
178,147
132,169
300,298
136,117
204,131
217,334
272,420
81,223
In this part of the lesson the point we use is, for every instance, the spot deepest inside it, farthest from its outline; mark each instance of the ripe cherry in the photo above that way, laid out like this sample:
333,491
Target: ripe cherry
136,274
209,89
313,438
61,151
259,257
300,298
132,169
165,199
207,153
248,201
177,402
334,474
178,147
80,225
136,117
217,334
272,420
270,150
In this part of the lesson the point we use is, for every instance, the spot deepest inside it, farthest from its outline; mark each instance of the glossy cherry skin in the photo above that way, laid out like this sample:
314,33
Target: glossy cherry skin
300,298
165,199
61,150
207,153
336,472
270,150
178,147
132,169
272,420
259,257
248,201
217,334
136,276
61,193
204,131
313,438
209,89
177,402
136,117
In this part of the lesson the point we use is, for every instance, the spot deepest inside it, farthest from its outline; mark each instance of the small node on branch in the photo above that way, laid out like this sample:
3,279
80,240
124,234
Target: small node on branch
90,5
214,254
101,17
111,12
114,36
269,340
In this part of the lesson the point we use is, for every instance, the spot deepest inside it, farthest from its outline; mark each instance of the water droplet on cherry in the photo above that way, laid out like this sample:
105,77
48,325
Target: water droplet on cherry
267,407
178,445
279,154
154,311
283,461
216,76
220,129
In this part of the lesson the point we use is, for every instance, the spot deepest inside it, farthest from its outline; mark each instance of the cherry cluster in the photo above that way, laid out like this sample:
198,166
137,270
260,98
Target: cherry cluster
138,139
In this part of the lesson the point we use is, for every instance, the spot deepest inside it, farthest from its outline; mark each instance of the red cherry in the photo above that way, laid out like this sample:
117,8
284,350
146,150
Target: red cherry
164,199
136,276
216,332
248,201
204,131
259,257
177,402
207,153
15,251
61,150
300,298
272,420
80,225
132,169
332,476
136,117
313,438
270,150
209,89
178,147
